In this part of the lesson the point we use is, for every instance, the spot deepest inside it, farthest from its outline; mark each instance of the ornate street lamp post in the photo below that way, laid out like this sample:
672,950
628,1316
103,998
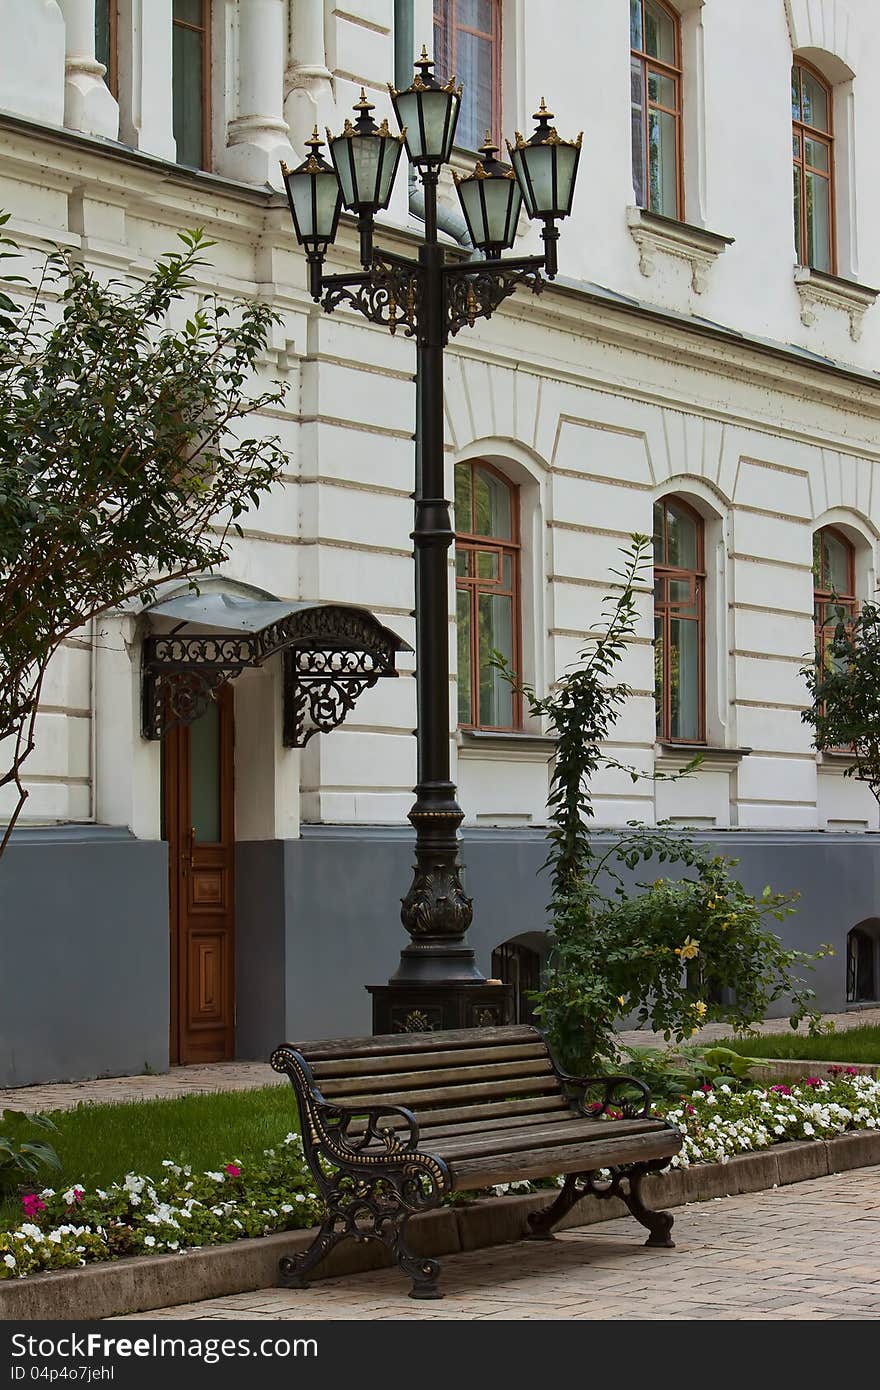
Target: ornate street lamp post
437,984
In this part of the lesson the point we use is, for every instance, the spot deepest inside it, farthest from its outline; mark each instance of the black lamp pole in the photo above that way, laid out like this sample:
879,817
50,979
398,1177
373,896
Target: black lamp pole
437,984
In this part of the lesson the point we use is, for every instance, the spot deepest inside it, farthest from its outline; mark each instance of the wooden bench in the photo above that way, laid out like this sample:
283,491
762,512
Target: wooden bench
391,1125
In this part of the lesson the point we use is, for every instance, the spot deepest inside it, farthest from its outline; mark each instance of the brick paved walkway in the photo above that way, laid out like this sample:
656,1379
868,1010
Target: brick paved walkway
244,1076
807,1251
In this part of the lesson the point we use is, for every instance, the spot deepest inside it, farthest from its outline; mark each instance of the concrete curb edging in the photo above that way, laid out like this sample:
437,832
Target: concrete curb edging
145,1282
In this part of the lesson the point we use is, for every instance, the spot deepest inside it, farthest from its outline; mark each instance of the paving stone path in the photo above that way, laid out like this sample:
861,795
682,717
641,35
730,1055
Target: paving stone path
811,1250
244,1076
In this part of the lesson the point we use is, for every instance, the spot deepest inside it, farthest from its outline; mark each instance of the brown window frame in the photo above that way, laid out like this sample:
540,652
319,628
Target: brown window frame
675,73
802,132
204,28
665,611
446,31
473,542
824,594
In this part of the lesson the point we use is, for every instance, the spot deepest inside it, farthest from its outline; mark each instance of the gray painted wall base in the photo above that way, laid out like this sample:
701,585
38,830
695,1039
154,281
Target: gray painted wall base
83,956
341,889
84,971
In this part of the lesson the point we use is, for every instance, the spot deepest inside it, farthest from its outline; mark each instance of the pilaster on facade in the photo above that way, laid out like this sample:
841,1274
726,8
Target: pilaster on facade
816,289
257,137
308,82
145,77
657,236
88,103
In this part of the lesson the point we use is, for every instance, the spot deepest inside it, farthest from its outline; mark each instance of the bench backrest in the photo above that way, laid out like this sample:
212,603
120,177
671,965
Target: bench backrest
452,1081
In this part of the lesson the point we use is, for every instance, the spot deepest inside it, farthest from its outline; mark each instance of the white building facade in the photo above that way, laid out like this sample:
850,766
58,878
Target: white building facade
703,368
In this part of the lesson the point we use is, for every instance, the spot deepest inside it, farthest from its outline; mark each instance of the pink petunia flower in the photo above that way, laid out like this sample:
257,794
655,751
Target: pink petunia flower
781,1090
813,1081
32,1204
851,1071
233,1170
707,1087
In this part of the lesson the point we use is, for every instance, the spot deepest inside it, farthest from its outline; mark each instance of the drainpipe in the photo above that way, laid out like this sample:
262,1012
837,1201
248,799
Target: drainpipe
448,219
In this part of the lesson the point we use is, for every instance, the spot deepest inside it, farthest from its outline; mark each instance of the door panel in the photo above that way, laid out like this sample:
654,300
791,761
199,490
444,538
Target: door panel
199,809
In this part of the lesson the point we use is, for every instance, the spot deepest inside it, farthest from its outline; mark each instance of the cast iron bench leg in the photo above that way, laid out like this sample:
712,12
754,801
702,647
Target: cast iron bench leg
293,1270
659,1223
625,1184
423,1271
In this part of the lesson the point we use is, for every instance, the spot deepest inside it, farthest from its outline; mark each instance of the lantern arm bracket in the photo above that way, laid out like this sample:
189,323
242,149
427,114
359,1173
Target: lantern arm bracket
475,290
389,293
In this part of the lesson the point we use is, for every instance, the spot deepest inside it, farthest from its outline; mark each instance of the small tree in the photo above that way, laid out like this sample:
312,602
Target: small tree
844,686
121,457
666,949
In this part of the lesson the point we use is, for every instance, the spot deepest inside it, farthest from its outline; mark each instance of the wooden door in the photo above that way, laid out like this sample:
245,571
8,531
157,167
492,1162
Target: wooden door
199,826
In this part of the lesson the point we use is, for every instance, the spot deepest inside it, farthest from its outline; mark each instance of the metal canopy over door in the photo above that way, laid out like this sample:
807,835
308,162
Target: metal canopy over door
198,761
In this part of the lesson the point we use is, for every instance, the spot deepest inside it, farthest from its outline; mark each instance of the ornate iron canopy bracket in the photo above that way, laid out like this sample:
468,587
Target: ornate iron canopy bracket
181,675
320,687
331,655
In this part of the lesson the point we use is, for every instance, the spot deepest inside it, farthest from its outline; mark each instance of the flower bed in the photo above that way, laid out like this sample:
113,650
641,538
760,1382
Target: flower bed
182,1209
719,1122
147,1216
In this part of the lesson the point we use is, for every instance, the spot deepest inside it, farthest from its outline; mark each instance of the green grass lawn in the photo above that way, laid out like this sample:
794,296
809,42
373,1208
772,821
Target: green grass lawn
849,1045
99,1144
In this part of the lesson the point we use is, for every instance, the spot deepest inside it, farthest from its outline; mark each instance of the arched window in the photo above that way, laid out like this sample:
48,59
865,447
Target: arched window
467,45
813,154
487,595
191,81
862,949
106,31
834,584
519,965
679,622
655,41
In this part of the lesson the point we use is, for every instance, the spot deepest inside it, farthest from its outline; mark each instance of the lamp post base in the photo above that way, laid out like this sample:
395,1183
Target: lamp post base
428,1008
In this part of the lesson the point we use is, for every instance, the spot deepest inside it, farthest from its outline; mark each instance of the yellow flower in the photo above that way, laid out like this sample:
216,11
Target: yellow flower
700,1009
694,1032
689,950
621,999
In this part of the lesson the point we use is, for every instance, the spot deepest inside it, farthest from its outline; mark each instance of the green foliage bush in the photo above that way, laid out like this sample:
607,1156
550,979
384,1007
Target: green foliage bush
666,950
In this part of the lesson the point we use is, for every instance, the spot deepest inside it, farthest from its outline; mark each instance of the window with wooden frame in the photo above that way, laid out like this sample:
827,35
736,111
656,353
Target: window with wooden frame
191,82
813,155
467,44
487,568
106,40
679,622
655,58
834,586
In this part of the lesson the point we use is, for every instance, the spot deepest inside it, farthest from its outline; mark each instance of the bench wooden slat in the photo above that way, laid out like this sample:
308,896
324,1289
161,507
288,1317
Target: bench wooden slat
565,1158
415,1098
536,1137
433,1133
518,1074
413,1061
384,1044
484,1110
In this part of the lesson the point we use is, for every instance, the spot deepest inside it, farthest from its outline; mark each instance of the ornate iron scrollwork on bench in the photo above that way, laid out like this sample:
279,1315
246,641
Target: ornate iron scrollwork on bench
371,1176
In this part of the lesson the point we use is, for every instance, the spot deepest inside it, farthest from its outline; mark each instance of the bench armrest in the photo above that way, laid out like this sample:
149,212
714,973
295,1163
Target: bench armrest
340,1117
609,1084
373,1131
